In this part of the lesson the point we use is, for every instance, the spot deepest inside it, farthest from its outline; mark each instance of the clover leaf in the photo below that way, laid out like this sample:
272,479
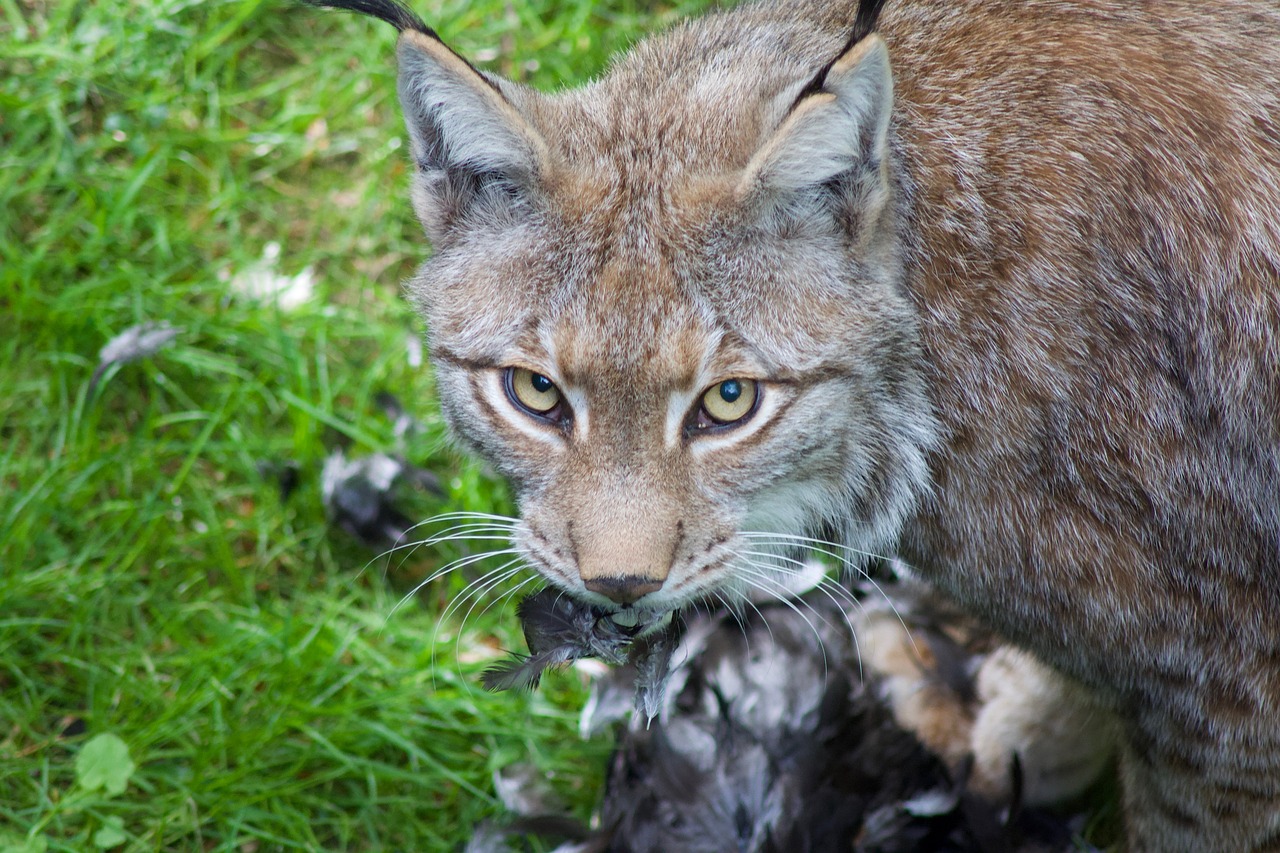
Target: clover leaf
111,834
104,763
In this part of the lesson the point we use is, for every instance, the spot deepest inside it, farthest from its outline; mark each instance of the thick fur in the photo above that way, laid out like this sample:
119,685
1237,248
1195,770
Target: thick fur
1013,305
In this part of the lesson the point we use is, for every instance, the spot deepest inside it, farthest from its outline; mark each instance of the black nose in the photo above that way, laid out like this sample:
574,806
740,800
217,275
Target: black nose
624,589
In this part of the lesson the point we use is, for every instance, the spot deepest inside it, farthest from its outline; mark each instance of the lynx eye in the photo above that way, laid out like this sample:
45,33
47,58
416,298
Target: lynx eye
532,392
728,402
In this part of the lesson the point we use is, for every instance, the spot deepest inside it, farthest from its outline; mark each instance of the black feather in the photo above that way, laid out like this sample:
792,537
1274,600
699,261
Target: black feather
553,621
520,672
559,629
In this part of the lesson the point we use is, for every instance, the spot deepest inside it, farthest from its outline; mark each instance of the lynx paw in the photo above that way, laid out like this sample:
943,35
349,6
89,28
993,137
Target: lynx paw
969,699
1062,739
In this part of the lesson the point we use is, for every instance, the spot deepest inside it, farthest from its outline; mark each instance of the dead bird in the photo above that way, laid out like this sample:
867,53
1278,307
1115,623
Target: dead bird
559,629
766,743
767,739
358,495
762,733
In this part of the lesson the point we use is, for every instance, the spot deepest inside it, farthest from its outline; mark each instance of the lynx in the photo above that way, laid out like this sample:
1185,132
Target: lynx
990,286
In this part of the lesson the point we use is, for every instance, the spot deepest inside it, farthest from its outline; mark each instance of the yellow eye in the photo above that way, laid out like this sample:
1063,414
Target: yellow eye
532,391
730,401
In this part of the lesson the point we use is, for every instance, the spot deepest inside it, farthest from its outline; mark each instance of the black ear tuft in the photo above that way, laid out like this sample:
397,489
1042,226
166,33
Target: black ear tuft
865,21
393,12
864,24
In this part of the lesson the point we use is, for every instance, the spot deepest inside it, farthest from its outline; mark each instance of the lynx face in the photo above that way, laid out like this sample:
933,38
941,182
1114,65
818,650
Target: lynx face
651,398
680,351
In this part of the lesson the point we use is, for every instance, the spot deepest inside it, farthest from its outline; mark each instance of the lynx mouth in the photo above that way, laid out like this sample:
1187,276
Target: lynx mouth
559,629
640,621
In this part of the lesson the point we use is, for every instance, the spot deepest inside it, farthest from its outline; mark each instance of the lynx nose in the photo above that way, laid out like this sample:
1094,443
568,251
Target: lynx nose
624,589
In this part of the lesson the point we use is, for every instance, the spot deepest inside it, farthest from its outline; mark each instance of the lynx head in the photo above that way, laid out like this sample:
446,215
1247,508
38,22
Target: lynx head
665,305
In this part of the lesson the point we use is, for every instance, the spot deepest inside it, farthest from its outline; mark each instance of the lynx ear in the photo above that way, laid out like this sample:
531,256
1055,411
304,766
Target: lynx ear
477,156
837,125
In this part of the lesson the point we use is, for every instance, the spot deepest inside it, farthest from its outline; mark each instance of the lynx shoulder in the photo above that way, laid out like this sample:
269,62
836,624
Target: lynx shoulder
991,286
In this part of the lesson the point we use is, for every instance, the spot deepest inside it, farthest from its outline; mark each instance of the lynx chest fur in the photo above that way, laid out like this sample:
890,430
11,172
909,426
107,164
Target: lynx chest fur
992,286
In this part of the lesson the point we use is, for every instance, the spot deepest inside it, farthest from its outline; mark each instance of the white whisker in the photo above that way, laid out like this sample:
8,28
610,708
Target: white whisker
461,532
736,613
453,566
473,590
461,536
478,587
476,596
475,587
482,530
823,546
466,517
824,586
763,573
506,596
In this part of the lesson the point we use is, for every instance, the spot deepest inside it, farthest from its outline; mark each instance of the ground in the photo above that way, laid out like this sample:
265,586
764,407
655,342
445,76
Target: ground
192,656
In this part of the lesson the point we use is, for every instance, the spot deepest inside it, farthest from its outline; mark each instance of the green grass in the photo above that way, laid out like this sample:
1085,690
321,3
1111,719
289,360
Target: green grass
155,584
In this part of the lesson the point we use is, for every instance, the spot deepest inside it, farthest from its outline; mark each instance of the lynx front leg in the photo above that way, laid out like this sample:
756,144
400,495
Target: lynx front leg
1216,792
